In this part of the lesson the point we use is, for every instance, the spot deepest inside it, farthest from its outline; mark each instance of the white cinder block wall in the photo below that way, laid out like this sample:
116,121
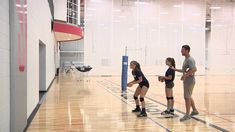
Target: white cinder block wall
152,30
222,43
39,28
60,10
5,67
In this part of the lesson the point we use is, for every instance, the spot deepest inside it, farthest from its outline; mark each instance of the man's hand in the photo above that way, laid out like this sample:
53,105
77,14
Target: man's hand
183,77
173,68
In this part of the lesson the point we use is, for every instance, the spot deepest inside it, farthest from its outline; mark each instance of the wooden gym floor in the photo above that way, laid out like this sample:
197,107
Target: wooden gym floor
95,104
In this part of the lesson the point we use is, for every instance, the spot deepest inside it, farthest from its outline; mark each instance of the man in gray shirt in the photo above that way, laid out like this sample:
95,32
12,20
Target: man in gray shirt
188,78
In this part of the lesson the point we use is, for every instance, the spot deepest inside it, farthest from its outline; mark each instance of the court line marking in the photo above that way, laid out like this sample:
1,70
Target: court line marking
197,119
208,113
125,101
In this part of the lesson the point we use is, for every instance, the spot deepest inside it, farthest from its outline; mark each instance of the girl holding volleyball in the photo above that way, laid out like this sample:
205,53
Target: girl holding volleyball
169,84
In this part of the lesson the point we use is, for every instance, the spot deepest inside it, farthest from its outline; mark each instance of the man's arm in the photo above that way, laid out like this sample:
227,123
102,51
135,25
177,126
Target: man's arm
189,73
178,70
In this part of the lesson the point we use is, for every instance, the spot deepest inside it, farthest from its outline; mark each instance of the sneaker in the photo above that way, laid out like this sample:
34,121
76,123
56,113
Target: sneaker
186,117
193,113
172,111
136,110
142,114
166,112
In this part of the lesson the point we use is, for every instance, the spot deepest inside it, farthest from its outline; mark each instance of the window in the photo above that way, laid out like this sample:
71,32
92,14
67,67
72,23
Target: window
72,11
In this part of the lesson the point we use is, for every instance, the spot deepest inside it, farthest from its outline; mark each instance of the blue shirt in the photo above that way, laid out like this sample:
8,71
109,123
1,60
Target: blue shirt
136,74
170,72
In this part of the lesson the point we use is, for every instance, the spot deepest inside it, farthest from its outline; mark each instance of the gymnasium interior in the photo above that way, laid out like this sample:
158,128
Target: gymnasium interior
66,65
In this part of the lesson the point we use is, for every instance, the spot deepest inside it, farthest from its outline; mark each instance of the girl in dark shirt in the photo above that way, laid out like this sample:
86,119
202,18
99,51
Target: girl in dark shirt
142,88
169,84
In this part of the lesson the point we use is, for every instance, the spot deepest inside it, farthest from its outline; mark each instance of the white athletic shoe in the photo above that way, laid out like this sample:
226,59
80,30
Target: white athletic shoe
185,117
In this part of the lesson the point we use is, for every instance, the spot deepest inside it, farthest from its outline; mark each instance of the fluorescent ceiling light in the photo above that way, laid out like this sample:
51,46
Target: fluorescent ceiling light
98,1
122,16
172,23
116,21
91,9
163,13
153,18
140,2
101,25
215,7
218,25
131,28
177,6
197,25
153,30
193,28
116,10
162,27
196,14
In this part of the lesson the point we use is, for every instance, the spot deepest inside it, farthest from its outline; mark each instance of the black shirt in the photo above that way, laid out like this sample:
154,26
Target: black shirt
170,72
136,74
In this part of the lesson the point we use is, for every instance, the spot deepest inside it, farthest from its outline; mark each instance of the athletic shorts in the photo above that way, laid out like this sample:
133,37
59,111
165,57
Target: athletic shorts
170,85
146,85
188,89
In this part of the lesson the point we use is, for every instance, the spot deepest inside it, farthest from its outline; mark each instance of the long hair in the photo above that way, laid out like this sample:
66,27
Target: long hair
137,65
171,60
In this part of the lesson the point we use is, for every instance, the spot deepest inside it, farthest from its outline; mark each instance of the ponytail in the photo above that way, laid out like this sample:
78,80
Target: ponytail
172,60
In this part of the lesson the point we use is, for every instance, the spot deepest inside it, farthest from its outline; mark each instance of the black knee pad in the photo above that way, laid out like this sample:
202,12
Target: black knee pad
141,99
170,98
135,98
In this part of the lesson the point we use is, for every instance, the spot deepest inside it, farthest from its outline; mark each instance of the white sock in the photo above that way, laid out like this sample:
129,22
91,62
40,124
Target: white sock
168,108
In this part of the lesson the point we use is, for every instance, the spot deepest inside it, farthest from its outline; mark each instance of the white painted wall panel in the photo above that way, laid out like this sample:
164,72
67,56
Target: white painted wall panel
60,7
39,28
222,45
5,67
